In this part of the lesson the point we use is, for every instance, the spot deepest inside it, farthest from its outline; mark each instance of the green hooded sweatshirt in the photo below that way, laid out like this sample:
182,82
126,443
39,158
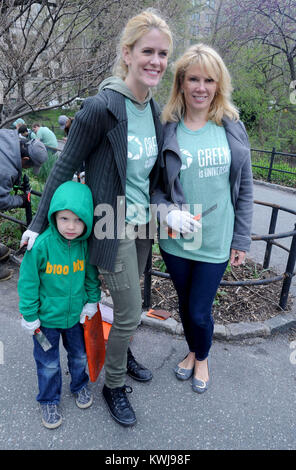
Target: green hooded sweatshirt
56,280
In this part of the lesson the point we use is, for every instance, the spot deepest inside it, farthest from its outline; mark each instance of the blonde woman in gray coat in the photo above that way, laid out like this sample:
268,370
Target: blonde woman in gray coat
204,198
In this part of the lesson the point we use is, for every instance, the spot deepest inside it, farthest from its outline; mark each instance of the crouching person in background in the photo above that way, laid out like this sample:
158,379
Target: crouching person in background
15,155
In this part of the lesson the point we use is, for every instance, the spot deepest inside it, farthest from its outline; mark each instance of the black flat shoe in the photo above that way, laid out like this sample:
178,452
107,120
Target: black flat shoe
119,405
135,370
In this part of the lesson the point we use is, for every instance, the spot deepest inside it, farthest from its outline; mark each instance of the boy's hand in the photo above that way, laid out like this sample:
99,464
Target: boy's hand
88,310
30,326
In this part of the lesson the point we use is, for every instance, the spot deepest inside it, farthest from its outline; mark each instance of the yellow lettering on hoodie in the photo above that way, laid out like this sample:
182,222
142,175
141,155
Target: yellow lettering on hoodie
78,265
48,268
57,269
66,270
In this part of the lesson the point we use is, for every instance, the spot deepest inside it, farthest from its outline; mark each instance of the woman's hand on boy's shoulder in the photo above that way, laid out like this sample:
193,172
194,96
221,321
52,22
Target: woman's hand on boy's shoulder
28,238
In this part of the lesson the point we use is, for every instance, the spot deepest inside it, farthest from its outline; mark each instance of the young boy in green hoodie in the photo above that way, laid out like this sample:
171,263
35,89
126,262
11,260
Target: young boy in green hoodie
58,288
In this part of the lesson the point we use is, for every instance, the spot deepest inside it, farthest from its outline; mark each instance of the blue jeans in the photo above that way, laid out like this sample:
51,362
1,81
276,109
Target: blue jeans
196,284
48,363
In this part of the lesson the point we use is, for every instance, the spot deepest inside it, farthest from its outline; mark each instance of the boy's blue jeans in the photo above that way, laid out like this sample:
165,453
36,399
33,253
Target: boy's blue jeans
196,284
48,363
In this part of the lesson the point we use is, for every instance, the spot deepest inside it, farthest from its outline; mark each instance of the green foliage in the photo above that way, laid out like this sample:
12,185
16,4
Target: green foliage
249,102
46,167
276,177
158,262
10,232
49,119
37,185
220,293
263,99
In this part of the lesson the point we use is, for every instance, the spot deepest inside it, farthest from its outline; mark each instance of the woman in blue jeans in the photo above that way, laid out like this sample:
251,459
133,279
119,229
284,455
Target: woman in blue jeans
204,198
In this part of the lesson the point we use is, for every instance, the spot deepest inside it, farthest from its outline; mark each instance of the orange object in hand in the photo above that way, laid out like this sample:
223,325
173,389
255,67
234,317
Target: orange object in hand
94,344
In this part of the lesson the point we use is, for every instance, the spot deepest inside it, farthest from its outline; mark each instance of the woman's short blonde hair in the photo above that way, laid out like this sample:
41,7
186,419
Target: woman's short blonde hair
212,65
135,28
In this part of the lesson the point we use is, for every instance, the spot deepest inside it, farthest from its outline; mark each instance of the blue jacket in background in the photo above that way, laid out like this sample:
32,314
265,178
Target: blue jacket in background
10,168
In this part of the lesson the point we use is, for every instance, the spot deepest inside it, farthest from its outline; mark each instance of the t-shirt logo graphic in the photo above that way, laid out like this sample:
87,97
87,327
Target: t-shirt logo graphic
187,159
137,148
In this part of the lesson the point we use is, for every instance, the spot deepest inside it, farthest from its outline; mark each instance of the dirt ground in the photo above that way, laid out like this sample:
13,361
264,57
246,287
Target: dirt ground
232,304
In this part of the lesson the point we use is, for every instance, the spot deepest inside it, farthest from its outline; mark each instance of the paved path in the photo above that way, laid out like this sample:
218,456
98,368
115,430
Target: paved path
250,403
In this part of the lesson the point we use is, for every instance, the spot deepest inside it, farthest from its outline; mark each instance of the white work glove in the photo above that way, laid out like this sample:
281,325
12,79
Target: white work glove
88,310
28,238
30,326
182,221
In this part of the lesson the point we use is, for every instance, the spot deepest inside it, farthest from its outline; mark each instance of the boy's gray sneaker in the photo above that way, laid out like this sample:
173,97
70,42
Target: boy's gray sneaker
84,398
51,417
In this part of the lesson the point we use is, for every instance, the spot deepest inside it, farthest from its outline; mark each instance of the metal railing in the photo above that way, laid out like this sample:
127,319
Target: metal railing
26,189
269,238
273,153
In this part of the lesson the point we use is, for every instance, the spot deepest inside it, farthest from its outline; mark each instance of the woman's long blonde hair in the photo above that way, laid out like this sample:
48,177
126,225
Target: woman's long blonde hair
212,64
135,28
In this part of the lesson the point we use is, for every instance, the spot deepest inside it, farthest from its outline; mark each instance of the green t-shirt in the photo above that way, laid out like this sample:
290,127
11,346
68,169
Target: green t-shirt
142,155
47,137
204,176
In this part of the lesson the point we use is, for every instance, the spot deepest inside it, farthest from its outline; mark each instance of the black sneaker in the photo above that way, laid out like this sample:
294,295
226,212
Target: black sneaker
51,417
135,370
119,406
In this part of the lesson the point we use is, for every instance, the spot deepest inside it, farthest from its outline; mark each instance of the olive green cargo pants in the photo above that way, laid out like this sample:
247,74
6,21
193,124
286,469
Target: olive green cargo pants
124,287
